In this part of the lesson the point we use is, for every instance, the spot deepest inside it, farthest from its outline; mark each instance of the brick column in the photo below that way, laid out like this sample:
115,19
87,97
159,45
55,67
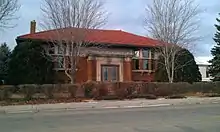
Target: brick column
156,65
90,68
141,62
150,61
149,65
127,69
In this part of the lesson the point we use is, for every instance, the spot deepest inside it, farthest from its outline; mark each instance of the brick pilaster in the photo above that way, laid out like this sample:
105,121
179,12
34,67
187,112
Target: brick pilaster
127,69
90,68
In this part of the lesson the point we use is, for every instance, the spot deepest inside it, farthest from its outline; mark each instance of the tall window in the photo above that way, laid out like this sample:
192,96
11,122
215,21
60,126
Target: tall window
59,62
145,54
51,49
153,65
137,54
146,64
62,49
136,64
110,73
153,56
144,59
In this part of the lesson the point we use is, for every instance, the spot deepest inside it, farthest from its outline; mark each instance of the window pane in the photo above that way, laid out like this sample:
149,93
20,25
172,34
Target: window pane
104,73
62,49
145,65
146,54
59,49
137,54
68,62
136,65
70,49
153,65
59,63
152,54
110,73
114,73
156,55
51,49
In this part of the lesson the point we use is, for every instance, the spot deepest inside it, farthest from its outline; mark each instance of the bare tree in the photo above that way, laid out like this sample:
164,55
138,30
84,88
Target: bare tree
8,8
70,21
175,24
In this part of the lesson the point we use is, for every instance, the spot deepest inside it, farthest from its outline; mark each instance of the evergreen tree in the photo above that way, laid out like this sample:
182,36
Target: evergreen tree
29,64
215,62
4,59
187,69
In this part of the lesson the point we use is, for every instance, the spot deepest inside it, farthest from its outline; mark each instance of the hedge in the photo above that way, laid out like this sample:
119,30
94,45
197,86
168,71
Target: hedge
114,90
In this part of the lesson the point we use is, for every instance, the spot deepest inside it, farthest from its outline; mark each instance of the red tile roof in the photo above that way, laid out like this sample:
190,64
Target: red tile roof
116,37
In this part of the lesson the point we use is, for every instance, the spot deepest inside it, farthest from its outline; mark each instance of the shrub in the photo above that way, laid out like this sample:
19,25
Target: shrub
5,92
149,96
72,88
176,97
179,88
57,88
195,87
39,89
168,89
28,90
101,91
104,89
130,92
135,88
121,93
208,87
109,97
148,88
217,87
48,90
15,89
61,88
61,91
203,87
145,96
89,88
163,89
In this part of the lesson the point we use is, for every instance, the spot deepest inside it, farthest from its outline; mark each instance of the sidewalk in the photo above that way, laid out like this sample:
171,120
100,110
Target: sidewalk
136,103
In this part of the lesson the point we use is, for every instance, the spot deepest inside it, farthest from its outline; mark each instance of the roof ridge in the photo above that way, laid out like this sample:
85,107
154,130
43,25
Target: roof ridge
50,30
111,36
139,35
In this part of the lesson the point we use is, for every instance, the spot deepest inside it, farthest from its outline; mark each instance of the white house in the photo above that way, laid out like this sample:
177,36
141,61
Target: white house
203,65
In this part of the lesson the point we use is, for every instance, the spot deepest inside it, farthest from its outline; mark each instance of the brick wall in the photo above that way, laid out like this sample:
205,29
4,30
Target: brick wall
142,76
81,74
127,70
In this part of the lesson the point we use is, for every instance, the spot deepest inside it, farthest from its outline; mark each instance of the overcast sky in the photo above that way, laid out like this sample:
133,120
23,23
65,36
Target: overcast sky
126,15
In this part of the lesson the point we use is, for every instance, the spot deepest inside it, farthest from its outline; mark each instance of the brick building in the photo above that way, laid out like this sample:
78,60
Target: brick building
123,57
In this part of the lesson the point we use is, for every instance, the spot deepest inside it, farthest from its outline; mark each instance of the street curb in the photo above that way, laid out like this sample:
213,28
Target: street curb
79,109
102,105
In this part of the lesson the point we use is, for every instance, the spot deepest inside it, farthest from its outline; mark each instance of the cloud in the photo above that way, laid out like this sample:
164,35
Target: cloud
30,10
127,15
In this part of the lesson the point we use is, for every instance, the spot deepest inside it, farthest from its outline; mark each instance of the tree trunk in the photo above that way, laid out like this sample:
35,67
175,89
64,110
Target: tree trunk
70,77
172,69
168,69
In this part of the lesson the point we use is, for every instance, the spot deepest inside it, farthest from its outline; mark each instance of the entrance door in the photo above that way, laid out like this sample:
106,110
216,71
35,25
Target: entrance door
110,73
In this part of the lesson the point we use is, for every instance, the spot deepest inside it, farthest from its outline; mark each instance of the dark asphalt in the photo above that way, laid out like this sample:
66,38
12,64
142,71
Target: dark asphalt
189,118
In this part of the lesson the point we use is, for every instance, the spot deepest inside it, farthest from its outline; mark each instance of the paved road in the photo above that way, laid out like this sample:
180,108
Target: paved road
189,118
